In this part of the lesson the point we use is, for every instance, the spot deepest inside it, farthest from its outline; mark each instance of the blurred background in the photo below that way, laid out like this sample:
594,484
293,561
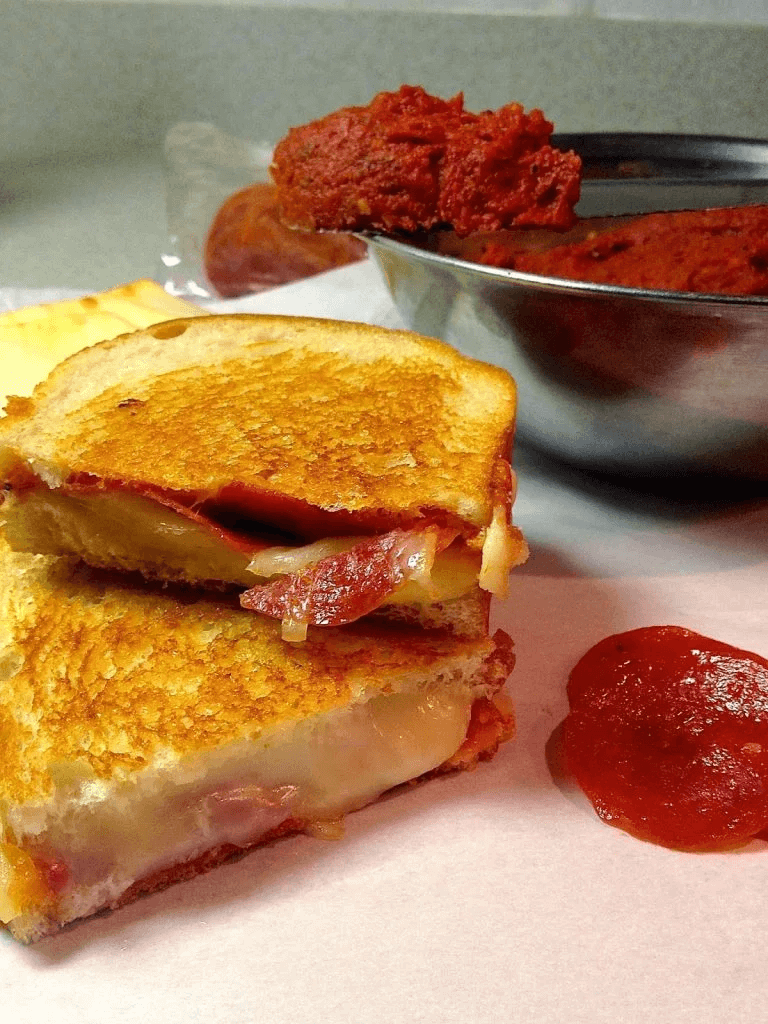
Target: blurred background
91,89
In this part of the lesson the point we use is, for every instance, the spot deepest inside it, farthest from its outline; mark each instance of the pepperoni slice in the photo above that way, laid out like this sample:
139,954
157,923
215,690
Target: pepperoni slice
54,872
668,737
345,586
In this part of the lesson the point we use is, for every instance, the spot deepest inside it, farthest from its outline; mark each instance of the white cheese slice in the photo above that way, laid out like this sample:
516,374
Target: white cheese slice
121,530
504,548
111,834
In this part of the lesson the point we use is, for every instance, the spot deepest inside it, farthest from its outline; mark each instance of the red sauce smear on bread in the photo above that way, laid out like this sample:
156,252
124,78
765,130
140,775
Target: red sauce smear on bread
668,737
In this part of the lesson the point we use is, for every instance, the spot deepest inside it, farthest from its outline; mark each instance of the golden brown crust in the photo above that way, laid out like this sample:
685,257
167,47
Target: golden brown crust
111,675
339,416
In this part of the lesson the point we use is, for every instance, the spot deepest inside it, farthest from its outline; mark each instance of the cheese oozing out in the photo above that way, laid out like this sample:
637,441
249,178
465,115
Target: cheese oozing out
103,836
119,529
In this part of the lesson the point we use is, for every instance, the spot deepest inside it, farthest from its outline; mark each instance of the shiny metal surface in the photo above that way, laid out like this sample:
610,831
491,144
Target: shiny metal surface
618,380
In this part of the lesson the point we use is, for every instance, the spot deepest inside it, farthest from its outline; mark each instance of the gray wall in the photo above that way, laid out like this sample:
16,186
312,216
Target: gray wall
92,76
88,91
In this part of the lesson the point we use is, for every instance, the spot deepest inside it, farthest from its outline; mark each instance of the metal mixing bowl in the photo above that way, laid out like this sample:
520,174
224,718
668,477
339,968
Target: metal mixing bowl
613,379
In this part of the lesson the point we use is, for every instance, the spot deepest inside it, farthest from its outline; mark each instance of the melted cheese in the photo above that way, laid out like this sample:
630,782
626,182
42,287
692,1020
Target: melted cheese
504,548
110,834
120,530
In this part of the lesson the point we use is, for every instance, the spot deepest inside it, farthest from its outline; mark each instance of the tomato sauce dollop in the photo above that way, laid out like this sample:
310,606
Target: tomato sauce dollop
408,161
668,737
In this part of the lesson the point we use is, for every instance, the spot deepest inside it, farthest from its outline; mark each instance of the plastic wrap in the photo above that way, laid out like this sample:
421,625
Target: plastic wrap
226,235
203,167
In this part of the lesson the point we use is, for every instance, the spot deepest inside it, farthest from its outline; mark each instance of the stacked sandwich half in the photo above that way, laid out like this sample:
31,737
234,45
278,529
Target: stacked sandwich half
245,572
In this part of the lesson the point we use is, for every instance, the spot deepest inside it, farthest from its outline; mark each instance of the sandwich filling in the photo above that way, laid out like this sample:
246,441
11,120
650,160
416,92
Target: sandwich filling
95,839
300,580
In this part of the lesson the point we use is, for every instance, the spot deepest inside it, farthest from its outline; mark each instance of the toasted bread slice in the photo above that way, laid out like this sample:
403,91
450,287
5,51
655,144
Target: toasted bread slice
392,422
145,735
183,450
35,338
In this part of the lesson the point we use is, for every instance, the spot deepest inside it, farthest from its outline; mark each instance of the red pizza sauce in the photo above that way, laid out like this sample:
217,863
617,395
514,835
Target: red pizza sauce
408,161
668,737
720,251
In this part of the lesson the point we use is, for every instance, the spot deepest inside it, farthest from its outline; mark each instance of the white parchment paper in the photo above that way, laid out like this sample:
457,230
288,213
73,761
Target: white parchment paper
494,895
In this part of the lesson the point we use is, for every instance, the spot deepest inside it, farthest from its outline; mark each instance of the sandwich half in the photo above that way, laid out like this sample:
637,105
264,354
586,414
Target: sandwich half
34,339
328,470
147,733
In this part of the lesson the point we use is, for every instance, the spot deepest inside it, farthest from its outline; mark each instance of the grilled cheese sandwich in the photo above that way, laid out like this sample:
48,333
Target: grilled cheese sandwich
146,735
331,469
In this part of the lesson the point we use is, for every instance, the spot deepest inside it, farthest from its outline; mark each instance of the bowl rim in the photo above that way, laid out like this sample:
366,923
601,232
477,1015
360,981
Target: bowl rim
407,249
680,156
704,157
